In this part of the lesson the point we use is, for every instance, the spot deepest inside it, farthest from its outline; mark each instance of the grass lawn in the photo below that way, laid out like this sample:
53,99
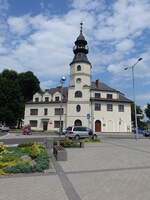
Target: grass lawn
25,158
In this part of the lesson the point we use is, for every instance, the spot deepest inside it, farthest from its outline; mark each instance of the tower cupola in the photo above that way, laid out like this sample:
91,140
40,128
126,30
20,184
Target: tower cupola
80,49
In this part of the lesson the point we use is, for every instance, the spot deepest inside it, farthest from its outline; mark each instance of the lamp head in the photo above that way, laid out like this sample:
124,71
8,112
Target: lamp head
140,59
63,79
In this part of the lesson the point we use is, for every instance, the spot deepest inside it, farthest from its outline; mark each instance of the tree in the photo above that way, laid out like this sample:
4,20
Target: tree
29,84
141,124
15,90
147,111
11,100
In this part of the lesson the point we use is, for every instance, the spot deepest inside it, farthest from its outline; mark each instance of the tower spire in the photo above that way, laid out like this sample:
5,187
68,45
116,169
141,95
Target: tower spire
81,24
80,49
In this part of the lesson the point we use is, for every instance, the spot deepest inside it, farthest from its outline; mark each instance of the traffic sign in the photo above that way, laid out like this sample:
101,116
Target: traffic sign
88,116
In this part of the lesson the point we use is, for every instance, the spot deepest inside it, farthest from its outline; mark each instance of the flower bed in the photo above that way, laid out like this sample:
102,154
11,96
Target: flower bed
24,158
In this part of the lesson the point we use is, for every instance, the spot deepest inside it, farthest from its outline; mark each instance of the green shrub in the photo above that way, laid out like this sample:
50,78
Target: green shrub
2,172
42,162
34,150
29,144
66,142
54,142
10,163
3,149
19,168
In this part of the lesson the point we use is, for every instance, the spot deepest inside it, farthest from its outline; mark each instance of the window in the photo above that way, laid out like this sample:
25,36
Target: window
109,96
78,80
59,111
79,68
56,98
97,106
57,124
45,111
97,95
33,111
109,107
36,99
121,108
33,123
79,129
78,108
46,99
78,94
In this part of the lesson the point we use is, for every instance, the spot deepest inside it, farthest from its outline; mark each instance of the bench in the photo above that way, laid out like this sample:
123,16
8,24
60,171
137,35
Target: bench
81,144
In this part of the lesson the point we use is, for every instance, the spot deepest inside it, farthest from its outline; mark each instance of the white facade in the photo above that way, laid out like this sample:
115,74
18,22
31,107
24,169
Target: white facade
82,97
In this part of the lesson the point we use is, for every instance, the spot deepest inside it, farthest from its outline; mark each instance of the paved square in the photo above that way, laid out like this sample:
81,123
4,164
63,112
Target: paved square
116,169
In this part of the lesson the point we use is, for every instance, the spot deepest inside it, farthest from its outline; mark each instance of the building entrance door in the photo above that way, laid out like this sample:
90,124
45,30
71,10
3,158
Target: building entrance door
97,126
45,125
78,123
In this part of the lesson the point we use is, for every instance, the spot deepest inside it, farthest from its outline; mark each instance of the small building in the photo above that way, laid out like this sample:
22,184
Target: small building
82,103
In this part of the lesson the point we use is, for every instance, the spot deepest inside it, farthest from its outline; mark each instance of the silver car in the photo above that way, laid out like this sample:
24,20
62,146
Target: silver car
4,128
77,132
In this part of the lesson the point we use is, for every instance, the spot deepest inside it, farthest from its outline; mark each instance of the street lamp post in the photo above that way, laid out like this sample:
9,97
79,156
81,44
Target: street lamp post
62,81
134,99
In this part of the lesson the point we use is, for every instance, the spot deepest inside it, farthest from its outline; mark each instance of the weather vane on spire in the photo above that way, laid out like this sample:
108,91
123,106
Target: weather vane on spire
81,24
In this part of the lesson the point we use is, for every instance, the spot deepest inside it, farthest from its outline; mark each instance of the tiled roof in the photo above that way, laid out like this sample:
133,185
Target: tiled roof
102,86
97,87
58,89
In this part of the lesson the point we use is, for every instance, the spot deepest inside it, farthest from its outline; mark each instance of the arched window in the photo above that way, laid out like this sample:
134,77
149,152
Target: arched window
78,80
78,122
78,108
79,68
78,94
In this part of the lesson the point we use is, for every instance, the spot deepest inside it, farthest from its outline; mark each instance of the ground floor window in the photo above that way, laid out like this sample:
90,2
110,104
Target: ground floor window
109,107
57,124
33,123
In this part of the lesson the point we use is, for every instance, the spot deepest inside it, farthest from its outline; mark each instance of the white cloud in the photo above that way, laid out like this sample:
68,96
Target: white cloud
47,84
44,44
19,25
128,18
125,45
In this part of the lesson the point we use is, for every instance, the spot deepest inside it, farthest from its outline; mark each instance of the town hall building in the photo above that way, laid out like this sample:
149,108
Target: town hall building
82,103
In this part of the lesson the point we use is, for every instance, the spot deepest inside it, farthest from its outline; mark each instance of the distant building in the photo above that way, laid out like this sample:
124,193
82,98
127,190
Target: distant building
84,103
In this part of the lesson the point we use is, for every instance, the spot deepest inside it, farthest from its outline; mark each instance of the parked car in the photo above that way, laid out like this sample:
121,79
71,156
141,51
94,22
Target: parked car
146,133
139,131
4,128
77,132
27,130
64,131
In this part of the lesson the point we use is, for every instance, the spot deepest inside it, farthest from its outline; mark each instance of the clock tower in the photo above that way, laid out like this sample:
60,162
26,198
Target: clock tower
80,82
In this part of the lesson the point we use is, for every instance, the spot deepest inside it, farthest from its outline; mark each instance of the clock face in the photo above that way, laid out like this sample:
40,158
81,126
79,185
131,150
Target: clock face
78,80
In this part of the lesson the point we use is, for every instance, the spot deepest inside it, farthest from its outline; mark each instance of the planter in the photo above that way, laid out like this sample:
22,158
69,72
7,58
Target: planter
60,153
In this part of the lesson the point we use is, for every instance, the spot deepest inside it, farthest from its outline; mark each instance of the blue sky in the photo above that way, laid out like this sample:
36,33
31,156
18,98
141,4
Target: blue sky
39,35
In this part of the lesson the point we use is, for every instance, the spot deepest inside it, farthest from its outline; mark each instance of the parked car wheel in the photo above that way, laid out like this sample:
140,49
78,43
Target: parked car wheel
77,137
94,137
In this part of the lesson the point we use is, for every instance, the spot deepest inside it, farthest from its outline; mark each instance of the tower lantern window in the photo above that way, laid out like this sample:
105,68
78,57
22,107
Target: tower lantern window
79,68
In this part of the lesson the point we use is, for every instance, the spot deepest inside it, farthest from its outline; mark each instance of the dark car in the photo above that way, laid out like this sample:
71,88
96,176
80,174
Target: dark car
146,133
4,128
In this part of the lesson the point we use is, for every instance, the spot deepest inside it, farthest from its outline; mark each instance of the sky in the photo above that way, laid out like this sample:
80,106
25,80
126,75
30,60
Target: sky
38,35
